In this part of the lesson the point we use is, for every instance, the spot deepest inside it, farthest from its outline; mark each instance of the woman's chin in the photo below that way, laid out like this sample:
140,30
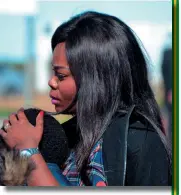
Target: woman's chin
59,109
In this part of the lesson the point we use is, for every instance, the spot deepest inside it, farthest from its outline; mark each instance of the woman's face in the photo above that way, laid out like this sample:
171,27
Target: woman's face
63,88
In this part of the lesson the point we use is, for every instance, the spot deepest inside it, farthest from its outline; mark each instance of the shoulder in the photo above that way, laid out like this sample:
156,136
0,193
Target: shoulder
147,158
139,131
141,134
134,143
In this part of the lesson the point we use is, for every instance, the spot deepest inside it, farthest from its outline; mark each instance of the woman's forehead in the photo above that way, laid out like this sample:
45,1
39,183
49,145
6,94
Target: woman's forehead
59,56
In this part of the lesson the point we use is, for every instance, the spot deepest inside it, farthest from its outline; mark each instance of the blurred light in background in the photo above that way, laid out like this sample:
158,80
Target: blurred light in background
22,7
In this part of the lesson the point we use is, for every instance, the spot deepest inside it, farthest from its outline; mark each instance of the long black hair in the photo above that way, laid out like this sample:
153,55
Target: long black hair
110,71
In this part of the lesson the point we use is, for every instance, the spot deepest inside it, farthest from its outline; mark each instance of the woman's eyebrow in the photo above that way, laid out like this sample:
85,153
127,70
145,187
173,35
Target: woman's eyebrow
55,66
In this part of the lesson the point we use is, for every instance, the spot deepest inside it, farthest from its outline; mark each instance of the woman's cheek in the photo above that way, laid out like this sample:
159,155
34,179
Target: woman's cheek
68,90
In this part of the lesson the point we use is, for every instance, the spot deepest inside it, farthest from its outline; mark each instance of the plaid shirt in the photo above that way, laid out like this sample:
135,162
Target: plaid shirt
95,168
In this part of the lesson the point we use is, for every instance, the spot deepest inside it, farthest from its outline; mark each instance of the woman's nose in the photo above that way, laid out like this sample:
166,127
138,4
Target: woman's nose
53,83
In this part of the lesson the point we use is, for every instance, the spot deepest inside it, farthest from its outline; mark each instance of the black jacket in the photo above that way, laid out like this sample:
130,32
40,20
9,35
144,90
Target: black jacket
133,153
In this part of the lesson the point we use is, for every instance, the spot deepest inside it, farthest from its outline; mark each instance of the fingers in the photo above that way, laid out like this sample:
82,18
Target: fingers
5,122
6,125
21,115
39,120
13,118
3,134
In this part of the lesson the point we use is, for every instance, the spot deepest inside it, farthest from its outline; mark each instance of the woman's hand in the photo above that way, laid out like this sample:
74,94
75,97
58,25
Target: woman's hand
19,133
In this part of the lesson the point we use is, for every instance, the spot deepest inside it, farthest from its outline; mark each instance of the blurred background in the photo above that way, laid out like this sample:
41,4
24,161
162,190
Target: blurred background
26,28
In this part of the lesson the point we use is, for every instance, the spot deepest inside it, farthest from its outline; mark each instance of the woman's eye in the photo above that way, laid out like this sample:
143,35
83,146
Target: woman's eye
58,75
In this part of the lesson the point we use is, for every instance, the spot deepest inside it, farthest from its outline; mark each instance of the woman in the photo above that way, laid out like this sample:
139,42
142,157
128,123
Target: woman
100,76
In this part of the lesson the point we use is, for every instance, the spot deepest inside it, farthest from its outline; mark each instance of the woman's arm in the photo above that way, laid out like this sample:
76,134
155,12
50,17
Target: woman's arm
46,174
41,176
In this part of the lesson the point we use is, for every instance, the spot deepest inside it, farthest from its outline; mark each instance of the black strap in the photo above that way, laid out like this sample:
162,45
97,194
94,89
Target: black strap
115,150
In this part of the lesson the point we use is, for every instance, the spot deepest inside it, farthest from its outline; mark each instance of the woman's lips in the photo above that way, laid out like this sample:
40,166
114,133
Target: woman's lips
54,101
